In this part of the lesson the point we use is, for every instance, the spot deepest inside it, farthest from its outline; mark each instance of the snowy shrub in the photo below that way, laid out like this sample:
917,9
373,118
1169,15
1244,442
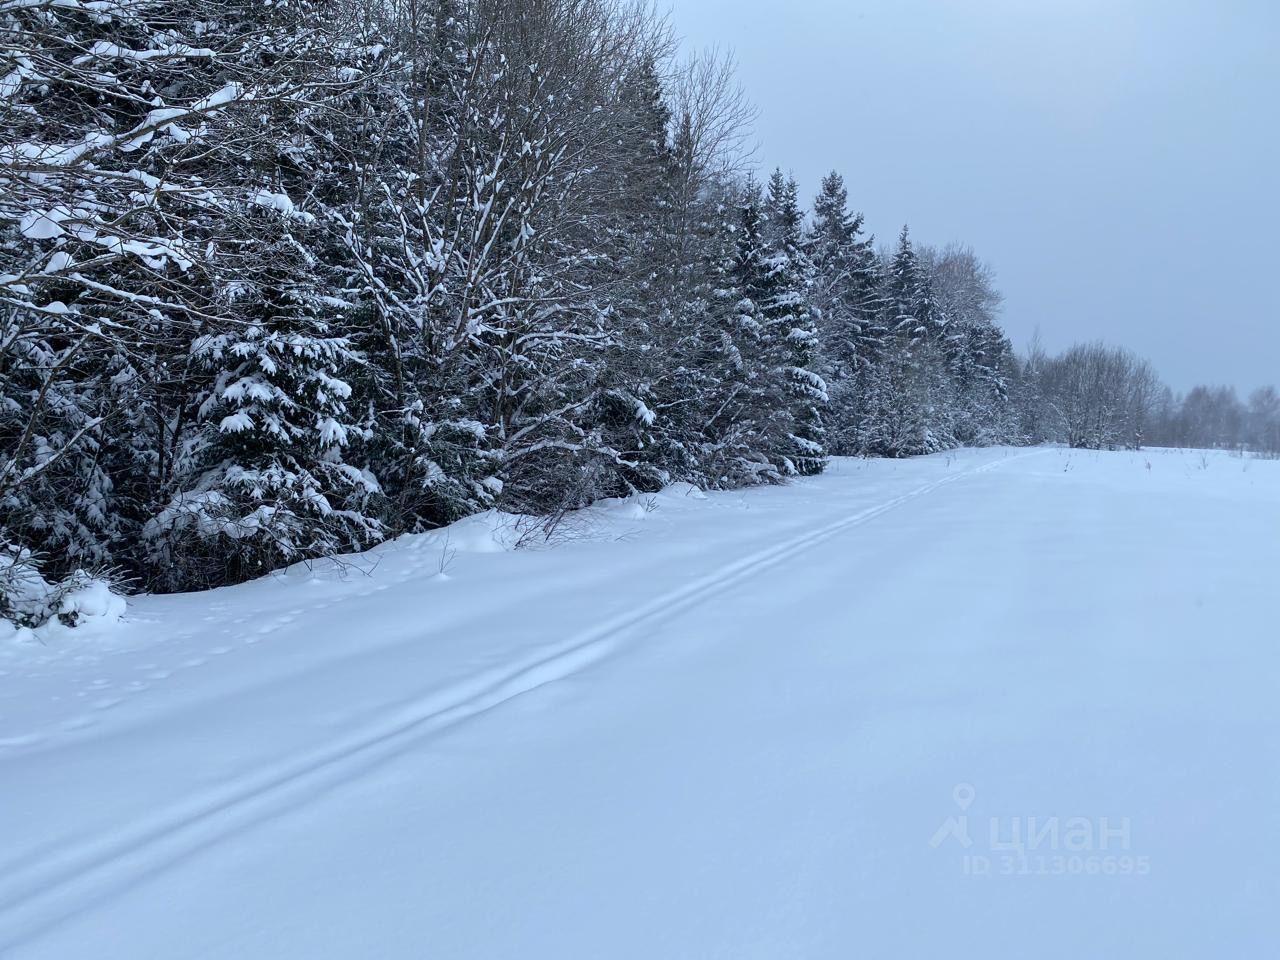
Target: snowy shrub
27,599
24,592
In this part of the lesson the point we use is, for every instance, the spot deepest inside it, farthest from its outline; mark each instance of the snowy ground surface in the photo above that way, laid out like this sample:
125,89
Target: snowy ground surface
802,722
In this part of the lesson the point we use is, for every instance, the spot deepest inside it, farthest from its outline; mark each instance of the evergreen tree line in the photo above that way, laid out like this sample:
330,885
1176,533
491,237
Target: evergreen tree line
281,281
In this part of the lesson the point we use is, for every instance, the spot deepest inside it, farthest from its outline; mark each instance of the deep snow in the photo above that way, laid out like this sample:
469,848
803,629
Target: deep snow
760,724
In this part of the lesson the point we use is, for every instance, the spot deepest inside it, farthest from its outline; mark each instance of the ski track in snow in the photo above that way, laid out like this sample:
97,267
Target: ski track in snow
75,877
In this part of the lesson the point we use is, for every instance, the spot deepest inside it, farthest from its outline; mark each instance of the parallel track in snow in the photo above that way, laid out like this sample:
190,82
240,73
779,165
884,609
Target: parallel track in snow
37,898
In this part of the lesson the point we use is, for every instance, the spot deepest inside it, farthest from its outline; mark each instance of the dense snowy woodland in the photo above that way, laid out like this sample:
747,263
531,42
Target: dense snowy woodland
282,281
455,503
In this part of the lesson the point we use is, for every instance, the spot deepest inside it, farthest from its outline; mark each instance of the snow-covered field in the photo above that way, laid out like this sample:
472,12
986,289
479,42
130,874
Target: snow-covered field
996,703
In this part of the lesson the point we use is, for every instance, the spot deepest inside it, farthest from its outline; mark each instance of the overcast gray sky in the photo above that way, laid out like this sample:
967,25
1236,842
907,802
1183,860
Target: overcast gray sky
1116,161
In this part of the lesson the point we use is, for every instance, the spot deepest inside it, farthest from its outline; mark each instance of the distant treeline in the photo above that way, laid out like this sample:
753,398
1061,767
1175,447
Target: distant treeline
1215,417
1102,397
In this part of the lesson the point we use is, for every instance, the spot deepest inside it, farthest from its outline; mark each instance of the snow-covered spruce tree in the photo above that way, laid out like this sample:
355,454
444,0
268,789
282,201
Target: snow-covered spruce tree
905,411
54,492
719,416
149,150
265,479
83,260
639,275
980,365
750,426
701,396
846,295
789,330
767,401
686,260
55,393
684,339
69,335
272,467
410,138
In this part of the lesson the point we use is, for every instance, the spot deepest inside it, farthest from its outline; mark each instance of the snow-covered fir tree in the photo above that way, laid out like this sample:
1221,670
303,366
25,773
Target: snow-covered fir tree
846,293
789,329
903,412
